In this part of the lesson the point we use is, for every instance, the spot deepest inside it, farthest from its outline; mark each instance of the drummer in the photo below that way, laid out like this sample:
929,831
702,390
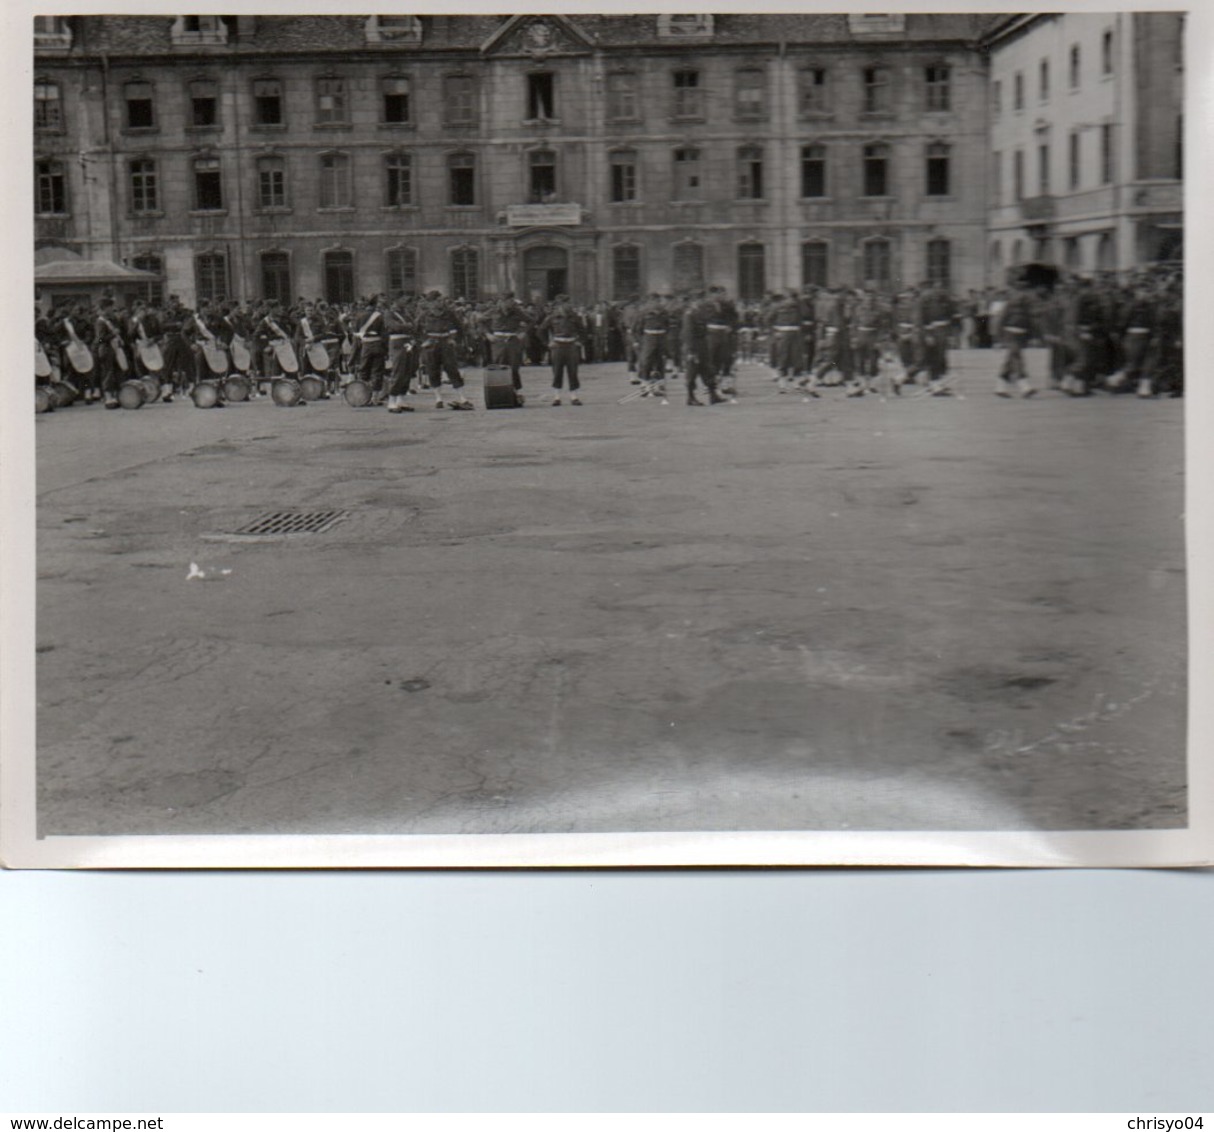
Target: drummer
402,355
109,352
508,327
372,334
438,328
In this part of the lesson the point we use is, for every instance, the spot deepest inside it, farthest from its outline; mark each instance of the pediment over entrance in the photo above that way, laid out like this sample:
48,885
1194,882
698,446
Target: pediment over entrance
538,36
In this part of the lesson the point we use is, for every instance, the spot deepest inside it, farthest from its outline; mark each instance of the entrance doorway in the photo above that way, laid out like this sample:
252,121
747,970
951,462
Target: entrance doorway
545,273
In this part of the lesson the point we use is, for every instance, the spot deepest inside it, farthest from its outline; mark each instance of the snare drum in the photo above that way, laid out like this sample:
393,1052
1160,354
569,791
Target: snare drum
132,394
311,388
205,394
285,391
357,394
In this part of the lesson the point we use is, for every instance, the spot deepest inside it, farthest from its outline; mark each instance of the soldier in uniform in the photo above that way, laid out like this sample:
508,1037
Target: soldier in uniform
784,322
1090,334
404,364
562,329
936,318
372,334
508,328
722,330
107,361
438,328
1141,322
653,328
697,363
1017,328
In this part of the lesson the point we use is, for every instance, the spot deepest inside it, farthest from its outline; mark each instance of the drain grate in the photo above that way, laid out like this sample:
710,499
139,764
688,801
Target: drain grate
292,523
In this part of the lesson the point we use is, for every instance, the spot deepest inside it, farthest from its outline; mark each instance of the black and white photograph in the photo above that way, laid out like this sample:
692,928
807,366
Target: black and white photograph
589,437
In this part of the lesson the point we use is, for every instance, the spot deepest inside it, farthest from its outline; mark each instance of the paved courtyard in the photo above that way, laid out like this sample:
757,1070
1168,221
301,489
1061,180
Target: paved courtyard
908,613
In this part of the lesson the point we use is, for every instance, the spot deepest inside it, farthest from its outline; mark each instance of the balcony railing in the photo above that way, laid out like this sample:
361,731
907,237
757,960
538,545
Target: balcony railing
1038,210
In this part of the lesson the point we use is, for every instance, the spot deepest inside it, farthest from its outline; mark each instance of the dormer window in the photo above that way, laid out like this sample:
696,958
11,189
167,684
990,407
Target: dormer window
199,31
52,33
876,23
678,26
403,31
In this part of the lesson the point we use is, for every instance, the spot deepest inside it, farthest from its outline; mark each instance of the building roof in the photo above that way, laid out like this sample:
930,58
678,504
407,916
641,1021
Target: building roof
98,271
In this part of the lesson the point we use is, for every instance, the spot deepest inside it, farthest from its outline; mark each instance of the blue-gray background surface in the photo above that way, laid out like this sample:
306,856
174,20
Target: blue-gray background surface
710,991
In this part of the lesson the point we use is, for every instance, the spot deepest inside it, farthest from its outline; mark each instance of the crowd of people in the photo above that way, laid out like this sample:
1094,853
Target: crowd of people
1111,334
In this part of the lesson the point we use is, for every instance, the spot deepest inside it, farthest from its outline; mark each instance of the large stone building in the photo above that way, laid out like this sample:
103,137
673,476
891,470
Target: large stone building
254,156
1086,139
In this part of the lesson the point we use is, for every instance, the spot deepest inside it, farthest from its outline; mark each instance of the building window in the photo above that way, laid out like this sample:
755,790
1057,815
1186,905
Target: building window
331,105
813,170
938,170
1070,252
208,185
752,272
997,179
1018,91
688,267
1043,169
750,173
52,33
1073,159
394,94
997,98
335,187
622,105
750,93
814,91
267,102
140,112
687,174
541,176
876,170
625,272
877,258
1106,153
815,263
48,106
939,263
199,31
461,170
1018,175
402,271
153,289
1074,66
211,277
466,274
459,100
682,26
144,195
1106,53
688,95
876,90
338,268
541,96
938,83
623,176
51,188
394,30
204,104
398,185
271,182
276,277
1043,81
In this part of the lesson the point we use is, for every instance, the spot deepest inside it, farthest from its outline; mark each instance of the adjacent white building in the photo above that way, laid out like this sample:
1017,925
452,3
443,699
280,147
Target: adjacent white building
1086,140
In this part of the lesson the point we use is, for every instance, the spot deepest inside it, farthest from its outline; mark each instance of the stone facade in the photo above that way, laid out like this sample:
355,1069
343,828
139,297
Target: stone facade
1086,133
596,155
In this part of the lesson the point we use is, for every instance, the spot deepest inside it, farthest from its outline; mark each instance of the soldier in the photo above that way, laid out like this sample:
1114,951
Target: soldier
653,326
697,318
784,321
722,330
403,328
562,329
1141,322
372,335
1090,334
438,328
1017,326
834,348
508,327
867,327
936,317
109,353
906,320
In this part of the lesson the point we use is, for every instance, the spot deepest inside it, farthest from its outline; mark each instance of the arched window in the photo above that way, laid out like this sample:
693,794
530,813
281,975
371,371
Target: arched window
688,266
940,263
398,180
338,270
461,171
402,271
466,274
153,289
541,176
625,272
211,277
815,263
750,172
48,106
876,170
275,276
878,268
336,190
937,169
752,272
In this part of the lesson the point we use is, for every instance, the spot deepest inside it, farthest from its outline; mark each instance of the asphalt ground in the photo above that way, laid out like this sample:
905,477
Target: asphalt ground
890,613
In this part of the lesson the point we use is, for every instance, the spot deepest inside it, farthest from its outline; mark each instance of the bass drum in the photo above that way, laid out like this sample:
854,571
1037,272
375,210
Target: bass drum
311,388
286,392
357,394
236,389
499,388
132,394
42,399
205,395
